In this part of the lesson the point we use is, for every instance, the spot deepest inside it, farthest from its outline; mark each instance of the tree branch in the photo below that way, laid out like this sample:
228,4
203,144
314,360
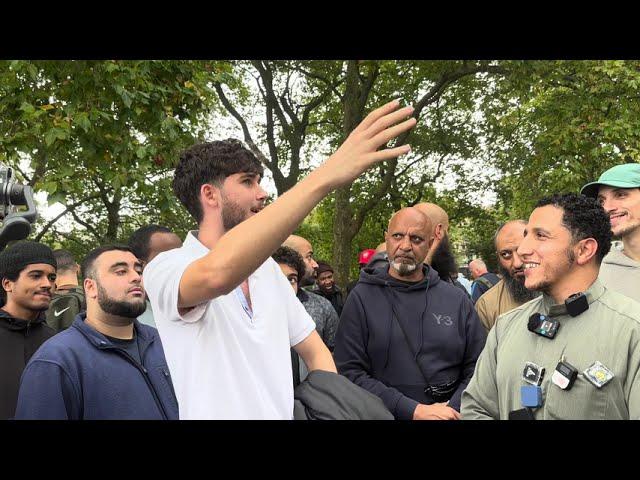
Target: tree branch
267,81
431,96
66,210
243,124
24,175
86,225
332,85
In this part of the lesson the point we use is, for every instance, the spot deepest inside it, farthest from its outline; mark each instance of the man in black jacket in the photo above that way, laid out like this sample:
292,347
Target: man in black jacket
404,334
326,286
28,275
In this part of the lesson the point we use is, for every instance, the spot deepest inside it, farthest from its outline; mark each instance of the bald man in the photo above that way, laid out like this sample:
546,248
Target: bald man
319,308
509,292
439,224
304,248
440,256
404,334
483,279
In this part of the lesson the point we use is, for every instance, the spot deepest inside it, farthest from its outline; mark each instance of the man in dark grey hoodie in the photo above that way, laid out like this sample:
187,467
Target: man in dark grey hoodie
404,334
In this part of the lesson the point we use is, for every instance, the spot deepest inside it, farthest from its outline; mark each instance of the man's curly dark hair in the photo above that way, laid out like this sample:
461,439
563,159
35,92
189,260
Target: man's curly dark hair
291,258
584,217
210,162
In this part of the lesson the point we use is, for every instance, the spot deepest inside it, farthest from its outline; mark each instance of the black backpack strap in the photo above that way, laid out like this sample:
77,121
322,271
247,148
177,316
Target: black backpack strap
484,282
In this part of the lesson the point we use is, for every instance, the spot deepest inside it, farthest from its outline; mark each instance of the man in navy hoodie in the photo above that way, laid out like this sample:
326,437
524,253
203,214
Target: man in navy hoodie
404,334
107,365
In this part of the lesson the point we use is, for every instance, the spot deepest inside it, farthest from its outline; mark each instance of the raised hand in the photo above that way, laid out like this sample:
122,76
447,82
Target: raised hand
360,150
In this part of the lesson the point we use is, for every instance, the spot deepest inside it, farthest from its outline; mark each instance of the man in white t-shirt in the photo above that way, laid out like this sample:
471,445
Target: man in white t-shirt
225,312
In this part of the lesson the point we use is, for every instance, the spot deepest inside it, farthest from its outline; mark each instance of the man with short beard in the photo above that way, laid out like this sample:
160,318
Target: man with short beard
509,292
318,307
107,365
226,314
404,334
304,248
147,243
588,367
618,191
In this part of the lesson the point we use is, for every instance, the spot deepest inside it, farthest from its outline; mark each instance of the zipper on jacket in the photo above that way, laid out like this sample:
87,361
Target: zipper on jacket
145,375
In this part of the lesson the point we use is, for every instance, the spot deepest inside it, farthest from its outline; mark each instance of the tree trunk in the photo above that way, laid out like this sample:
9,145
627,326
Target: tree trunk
343,232
113,216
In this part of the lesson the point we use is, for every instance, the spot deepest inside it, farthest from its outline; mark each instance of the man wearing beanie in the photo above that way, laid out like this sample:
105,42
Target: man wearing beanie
326,286
28,275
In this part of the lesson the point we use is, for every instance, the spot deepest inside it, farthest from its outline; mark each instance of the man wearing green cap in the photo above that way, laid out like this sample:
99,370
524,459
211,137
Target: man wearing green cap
618,191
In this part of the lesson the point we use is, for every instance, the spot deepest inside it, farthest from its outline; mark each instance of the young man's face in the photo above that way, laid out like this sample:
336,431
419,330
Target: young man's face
291,274
546,249
326,282
623,207
33,288
242,196
118,284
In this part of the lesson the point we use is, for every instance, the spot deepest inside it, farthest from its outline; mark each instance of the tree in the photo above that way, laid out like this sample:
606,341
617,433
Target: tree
100,136
319,104
554,126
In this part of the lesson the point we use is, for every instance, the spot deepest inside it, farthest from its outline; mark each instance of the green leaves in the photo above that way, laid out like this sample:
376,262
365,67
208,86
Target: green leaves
97,128
27,108
55,134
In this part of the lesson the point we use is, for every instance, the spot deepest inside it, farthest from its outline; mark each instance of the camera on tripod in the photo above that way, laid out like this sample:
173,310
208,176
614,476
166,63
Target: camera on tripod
16,224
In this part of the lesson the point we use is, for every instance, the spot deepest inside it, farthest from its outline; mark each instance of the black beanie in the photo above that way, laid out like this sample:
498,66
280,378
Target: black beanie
21,254
323,267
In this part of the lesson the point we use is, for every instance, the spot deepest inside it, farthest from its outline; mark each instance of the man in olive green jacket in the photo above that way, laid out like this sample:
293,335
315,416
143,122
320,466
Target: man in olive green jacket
566,238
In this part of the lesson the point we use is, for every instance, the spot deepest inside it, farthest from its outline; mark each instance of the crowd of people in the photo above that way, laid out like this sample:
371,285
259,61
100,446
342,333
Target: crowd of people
241,321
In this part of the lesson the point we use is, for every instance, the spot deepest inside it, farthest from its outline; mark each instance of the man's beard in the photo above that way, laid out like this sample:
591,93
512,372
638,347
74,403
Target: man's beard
625,230
308,279
518,291
546,286
232,213
120,309
404,269
443,261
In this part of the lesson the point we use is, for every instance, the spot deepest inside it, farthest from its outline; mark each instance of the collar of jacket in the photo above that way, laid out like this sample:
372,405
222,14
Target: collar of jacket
302,295
333,291
69,288
593,293
12,323
146,336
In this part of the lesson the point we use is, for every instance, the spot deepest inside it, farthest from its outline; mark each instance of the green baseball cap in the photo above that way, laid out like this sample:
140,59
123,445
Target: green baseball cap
621,176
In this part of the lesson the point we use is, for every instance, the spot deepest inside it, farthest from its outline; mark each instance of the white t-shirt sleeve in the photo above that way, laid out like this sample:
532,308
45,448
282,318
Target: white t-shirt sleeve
162,283
299,322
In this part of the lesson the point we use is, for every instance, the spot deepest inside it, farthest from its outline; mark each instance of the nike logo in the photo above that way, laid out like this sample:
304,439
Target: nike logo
58,313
